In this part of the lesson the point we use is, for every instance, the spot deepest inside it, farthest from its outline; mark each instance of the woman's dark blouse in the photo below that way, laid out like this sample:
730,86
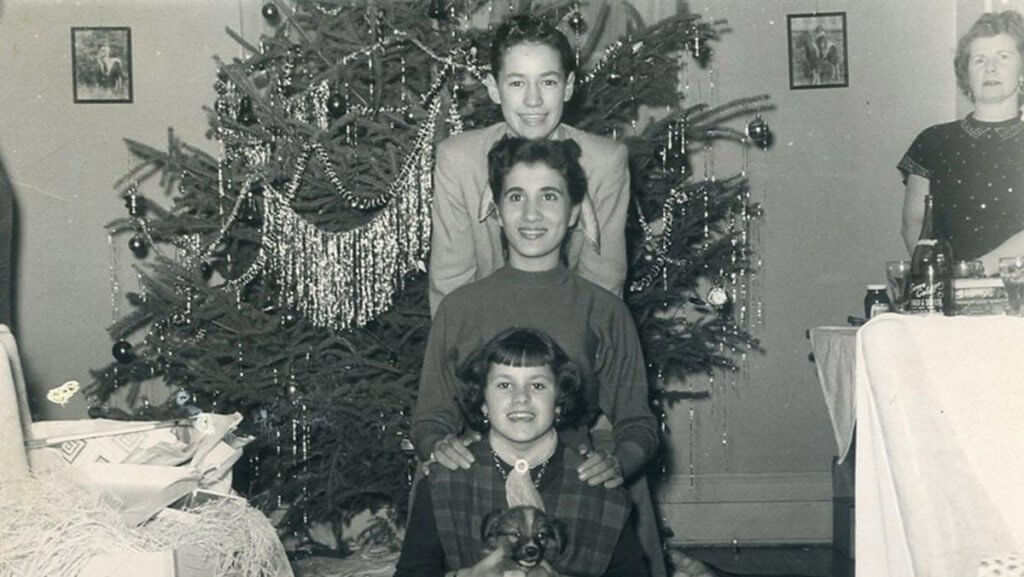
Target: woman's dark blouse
975,172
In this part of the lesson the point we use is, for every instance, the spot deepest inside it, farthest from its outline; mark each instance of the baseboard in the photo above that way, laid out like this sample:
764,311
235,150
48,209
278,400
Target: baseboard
747,509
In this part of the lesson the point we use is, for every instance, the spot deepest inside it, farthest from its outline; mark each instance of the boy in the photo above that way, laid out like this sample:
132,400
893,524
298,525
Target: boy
532,77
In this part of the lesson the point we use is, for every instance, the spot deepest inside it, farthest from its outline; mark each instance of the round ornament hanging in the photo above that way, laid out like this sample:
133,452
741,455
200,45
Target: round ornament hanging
336,105
122,352
577,23
290,318
270,13
759,132
718,297
138,246
438,10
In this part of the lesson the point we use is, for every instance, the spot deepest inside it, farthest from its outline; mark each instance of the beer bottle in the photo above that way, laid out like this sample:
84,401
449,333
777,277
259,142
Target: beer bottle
930,283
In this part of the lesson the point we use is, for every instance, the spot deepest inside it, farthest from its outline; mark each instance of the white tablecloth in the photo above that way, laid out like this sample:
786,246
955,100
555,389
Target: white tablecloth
940,444
835,357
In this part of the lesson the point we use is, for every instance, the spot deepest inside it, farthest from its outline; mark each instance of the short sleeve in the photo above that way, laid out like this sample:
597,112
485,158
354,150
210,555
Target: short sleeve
920,157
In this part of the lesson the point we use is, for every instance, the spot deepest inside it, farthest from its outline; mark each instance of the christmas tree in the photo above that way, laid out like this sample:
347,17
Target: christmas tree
284,278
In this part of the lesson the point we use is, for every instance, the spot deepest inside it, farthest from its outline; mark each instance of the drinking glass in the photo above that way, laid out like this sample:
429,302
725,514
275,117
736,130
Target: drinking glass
1011,270
968,269
896,272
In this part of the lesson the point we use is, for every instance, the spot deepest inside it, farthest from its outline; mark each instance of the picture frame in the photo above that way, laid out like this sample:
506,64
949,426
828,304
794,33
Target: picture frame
101,64
818,56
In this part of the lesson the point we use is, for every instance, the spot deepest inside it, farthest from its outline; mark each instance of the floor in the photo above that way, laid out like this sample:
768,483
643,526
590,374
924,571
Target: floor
789,561
780,561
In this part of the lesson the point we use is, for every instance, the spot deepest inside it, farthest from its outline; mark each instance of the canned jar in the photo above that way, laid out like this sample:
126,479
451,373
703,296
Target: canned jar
876,301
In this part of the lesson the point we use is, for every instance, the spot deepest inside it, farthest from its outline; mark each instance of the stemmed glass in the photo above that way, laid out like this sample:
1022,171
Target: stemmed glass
896,272
1011,270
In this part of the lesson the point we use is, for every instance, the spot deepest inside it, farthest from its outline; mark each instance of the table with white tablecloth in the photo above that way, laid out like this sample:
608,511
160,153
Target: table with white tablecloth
939,406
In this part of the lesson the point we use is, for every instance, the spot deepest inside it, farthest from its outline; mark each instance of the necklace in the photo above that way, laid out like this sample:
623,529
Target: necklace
521,466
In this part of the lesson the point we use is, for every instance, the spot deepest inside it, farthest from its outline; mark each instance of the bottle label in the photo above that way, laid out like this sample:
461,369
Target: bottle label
877,309
926,297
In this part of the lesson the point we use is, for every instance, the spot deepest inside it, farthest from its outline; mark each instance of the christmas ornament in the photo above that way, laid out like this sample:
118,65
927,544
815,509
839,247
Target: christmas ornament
289,318
438,10
222,106
409,116
206,269
699,49
577,23
614,79
138,246
336,105
718,297
246,115
759,133
270,13
179,319
62,394
261,80
182,397
135,204
673,154
122,351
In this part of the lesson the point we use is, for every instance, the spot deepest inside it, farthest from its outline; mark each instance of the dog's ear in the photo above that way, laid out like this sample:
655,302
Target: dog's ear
561,535
487,527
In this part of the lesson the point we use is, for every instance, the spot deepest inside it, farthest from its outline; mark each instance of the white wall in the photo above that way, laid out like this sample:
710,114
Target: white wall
762,448
64,158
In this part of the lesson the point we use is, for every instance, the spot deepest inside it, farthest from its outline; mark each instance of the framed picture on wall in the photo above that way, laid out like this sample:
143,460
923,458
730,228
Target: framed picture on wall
817,50
101,67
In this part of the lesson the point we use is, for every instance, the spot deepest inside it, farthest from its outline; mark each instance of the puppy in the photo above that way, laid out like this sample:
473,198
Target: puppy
526,534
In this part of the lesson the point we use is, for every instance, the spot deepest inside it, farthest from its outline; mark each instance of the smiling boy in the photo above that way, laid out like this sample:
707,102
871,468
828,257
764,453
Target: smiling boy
532,77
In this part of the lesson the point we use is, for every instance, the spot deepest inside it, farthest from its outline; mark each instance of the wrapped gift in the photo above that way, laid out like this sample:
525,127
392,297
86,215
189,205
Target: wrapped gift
143,466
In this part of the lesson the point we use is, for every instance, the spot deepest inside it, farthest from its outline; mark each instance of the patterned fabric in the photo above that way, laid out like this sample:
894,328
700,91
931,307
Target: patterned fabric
975,172
595,516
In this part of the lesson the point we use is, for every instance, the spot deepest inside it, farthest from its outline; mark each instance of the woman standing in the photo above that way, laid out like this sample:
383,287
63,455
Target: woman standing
974,167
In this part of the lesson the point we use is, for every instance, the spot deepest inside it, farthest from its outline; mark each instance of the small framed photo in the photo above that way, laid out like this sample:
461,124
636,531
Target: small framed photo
817,50
101,64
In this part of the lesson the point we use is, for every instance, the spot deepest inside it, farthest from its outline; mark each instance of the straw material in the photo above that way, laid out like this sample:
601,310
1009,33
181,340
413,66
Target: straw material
52,525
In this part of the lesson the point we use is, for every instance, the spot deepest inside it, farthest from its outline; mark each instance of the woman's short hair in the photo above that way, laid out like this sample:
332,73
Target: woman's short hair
990,24
563,156
521,347
526,29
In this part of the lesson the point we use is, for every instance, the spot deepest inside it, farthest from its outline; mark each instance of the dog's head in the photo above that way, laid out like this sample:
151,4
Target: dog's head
527,535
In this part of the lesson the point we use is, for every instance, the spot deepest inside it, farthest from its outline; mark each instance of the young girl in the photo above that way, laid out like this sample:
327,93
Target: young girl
516,390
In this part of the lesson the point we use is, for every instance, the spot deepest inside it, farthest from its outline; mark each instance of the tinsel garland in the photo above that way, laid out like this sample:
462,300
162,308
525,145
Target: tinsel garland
341,279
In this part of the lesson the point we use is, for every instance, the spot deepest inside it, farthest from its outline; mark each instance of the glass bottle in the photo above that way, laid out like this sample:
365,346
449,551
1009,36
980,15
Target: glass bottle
930,283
